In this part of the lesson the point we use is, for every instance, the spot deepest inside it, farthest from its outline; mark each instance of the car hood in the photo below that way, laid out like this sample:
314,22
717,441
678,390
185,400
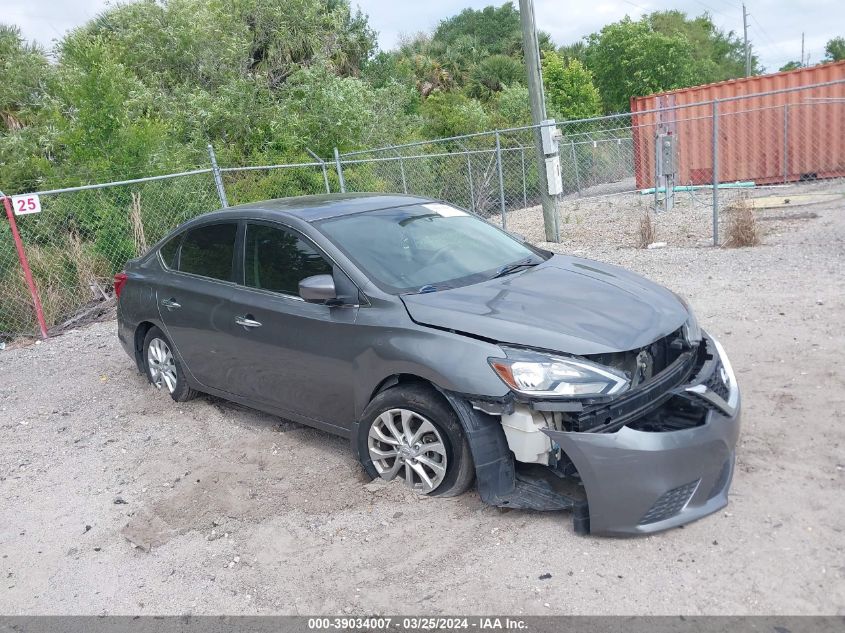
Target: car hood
566,304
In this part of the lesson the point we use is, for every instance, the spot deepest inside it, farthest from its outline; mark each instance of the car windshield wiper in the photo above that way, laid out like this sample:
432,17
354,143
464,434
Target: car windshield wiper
507,269
431,288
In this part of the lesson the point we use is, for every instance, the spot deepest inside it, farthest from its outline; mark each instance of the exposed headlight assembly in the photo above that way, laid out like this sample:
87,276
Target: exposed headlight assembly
537,374
692,331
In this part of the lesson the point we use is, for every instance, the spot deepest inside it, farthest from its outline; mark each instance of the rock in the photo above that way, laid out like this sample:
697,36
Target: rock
120,501
654,245
545,576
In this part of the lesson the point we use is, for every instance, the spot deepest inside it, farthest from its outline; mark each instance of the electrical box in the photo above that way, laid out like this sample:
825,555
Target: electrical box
553,175
666,154
551,136
665,166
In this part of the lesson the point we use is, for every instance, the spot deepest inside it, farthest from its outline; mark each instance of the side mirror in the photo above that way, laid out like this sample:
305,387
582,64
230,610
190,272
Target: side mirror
317,289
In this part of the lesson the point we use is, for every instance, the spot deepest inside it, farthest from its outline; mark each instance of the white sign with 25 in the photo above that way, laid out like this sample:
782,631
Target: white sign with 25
24,205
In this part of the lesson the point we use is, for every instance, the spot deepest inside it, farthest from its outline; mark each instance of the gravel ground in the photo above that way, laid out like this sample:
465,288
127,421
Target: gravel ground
246,513
599,223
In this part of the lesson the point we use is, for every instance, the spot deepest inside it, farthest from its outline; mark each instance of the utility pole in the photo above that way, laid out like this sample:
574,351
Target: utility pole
745,38
538,111
802,49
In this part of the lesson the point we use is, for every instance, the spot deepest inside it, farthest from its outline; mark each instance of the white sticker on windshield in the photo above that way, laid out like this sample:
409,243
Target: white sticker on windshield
444,210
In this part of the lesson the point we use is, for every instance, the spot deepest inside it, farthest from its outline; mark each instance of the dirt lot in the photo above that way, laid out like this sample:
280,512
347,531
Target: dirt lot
250,514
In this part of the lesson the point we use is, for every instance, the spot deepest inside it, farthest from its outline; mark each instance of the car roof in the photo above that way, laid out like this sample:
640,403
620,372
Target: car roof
320,207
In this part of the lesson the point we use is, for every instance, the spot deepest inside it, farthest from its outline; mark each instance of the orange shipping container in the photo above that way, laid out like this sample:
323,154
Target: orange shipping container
764,136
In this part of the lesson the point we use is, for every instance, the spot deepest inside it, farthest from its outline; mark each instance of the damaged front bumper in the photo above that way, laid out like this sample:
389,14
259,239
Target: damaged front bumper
644,481
655,472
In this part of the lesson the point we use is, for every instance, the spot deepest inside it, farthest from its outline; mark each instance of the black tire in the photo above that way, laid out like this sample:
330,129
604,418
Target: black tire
425,401
181,391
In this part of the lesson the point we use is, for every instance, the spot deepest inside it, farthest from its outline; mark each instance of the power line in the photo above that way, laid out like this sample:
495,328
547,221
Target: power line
633,4
766,35
707,6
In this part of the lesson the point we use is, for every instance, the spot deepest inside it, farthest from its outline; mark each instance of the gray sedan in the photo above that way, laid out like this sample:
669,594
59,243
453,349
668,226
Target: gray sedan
448,351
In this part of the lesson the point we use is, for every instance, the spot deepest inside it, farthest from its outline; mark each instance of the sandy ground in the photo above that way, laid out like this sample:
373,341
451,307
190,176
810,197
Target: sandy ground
246,513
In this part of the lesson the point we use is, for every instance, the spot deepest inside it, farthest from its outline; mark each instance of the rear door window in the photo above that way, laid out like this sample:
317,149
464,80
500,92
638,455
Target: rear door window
277,260
168,251
210,251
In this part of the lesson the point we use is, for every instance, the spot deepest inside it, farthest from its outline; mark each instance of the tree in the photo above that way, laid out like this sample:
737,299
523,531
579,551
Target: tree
793,65
569,88
451,114
493,74
207,43
23,71
576,50
718,55
513,107
108,126
835,49
630,58
464,41
496,30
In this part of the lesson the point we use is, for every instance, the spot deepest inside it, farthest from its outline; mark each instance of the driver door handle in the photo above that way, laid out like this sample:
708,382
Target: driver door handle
247,322
170,304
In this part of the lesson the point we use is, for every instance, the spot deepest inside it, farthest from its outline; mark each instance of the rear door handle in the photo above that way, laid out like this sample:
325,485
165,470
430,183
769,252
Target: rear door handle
247,322
170,304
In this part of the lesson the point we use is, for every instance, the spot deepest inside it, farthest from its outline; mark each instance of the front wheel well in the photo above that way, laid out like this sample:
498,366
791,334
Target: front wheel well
398,379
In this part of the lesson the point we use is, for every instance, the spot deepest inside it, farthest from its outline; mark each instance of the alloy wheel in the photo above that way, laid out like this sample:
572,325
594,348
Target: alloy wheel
403,443
162,365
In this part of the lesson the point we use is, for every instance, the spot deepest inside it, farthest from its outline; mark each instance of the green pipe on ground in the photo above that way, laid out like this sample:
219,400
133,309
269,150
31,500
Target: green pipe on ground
722,185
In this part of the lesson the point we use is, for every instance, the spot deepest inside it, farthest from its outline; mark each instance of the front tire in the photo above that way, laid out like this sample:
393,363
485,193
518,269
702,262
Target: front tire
163,369
410,432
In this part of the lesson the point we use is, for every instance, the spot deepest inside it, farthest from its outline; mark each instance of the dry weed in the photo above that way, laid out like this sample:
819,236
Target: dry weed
741,225
645,234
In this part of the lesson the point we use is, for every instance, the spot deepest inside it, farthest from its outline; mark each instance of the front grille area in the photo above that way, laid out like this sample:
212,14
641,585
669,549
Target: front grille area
661,353
670,503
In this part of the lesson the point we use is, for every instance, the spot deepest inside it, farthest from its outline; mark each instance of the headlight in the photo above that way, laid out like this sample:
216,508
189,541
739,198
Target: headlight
537,374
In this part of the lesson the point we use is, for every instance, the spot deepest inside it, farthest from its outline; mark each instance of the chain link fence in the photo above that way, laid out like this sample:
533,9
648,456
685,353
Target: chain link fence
487,173
681,166
616,169
84,235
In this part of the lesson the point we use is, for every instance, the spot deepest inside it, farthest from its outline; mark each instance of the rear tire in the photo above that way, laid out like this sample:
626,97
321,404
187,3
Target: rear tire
163,369
410,432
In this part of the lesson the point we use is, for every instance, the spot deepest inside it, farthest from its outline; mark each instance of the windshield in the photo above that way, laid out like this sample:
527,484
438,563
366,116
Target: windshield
425,247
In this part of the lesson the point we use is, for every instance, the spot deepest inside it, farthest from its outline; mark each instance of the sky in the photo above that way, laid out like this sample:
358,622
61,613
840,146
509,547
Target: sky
774,26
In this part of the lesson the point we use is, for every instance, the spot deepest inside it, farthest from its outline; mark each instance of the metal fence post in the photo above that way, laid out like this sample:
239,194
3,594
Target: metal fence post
471,187
218,179
402,172
27,273
715,172
524,188
575,165
339,168
469,176
785,142
322,167
501,181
